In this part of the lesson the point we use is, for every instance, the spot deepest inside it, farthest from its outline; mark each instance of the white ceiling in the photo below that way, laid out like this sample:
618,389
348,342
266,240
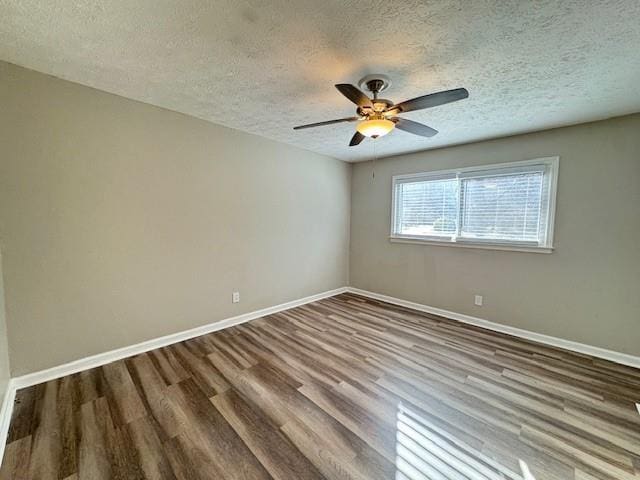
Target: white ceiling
263,67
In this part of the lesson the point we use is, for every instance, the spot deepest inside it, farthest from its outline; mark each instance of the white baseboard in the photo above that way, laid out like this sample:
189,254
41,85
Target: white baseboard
617,357
5,414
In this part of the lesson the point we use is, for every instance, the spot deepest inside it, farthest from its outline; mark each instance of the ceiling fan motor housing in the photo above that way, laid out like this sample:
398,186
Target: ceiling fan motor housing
379,106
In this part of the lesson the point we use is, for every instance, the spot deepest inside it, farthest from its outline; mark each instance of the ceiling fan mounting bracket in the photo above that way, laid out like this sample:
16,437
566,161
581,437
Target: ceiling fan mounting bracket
374,83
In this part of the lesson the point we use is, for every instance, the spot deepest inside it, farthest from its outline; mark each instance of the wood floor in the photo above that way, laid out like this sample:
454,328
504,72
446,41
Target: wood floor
344,388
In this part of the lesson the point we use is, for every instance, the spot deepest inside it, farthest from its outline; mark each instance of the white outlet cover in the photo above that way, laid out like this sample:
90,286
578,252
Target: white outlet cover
478,300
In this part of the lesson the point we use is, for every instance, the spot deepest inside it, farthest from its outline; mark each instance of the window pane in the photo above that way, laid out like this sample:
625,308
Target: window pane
428,208
505,207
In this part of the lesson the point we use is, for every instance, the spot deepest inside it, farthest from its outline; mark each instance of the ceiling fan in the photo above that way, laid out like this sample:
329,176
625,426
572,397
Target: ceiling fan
378,116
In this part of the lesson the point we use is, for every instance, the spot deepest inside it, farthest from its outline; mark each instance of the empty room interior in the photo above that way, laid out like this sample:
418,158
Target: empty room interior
273,240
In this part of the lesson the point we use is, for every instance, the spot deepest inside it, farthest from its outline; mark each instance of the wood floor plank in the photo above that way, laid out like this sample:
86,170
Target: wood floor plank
168,366
92,384
123,394
356,463
153,460
24,419
272,448
211,442
93,459
15,465
68,406
153,392
343,388
376,434
200,369
46,450
183,467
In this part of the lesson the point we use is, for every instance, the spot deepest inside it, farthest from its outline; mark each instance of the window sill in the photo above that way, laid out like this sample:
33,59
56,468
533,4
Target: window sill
484,246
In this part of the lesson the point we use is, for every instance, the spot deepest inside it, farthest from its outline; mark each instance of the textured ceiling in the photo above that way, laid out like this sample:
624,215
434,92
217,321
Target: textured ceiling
263,67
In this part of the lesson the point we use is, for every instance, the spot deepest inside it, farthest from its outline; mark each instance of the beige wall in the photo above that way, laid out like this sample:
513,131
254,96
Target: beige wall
588,290
121,222
5,373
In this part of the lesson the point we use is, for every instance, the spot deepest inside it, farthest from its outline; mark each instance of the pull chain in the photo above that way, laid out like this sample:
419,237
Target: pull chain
375,157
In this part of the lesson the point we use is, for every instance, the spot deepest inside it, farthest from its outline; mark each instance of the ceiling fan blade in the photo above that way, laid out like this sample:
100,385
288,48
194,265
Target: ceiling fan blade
356,139
354,94
328,122
431,100
414,127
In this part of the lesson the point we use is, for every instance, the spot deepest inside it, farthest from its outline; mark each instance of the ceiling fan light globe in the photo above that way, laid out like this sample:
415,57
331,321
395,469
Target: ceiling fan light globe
375,128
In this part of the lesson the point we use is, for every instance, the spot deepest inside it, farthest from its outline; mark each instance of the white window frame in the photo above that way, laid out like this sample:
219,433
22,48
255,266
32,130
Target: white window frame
551,165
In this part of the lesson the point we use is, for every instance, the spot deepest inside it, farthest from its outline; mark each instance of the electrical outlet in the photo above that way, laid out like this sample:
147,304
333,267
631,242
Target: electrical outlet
478,300
235,297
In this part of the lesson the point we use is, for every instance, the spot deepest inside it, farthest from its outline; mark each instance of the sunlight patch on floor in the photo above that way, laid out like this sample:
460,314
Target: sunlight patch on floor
426,452
526,473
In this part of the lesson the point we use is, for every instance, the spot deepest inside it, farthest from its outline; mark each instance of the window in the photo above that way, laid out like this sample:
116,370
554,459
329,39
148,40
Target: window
509,205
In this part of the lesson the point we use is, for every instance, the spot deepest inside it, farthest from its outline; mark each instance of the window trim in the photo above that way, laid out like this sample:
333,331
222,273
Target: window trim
552,163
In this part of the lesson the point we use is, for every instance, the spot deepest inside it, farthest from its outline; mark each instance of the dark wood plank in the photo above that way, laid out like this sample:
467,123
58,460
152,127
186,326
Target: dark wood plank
46,448
15,464
274,450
